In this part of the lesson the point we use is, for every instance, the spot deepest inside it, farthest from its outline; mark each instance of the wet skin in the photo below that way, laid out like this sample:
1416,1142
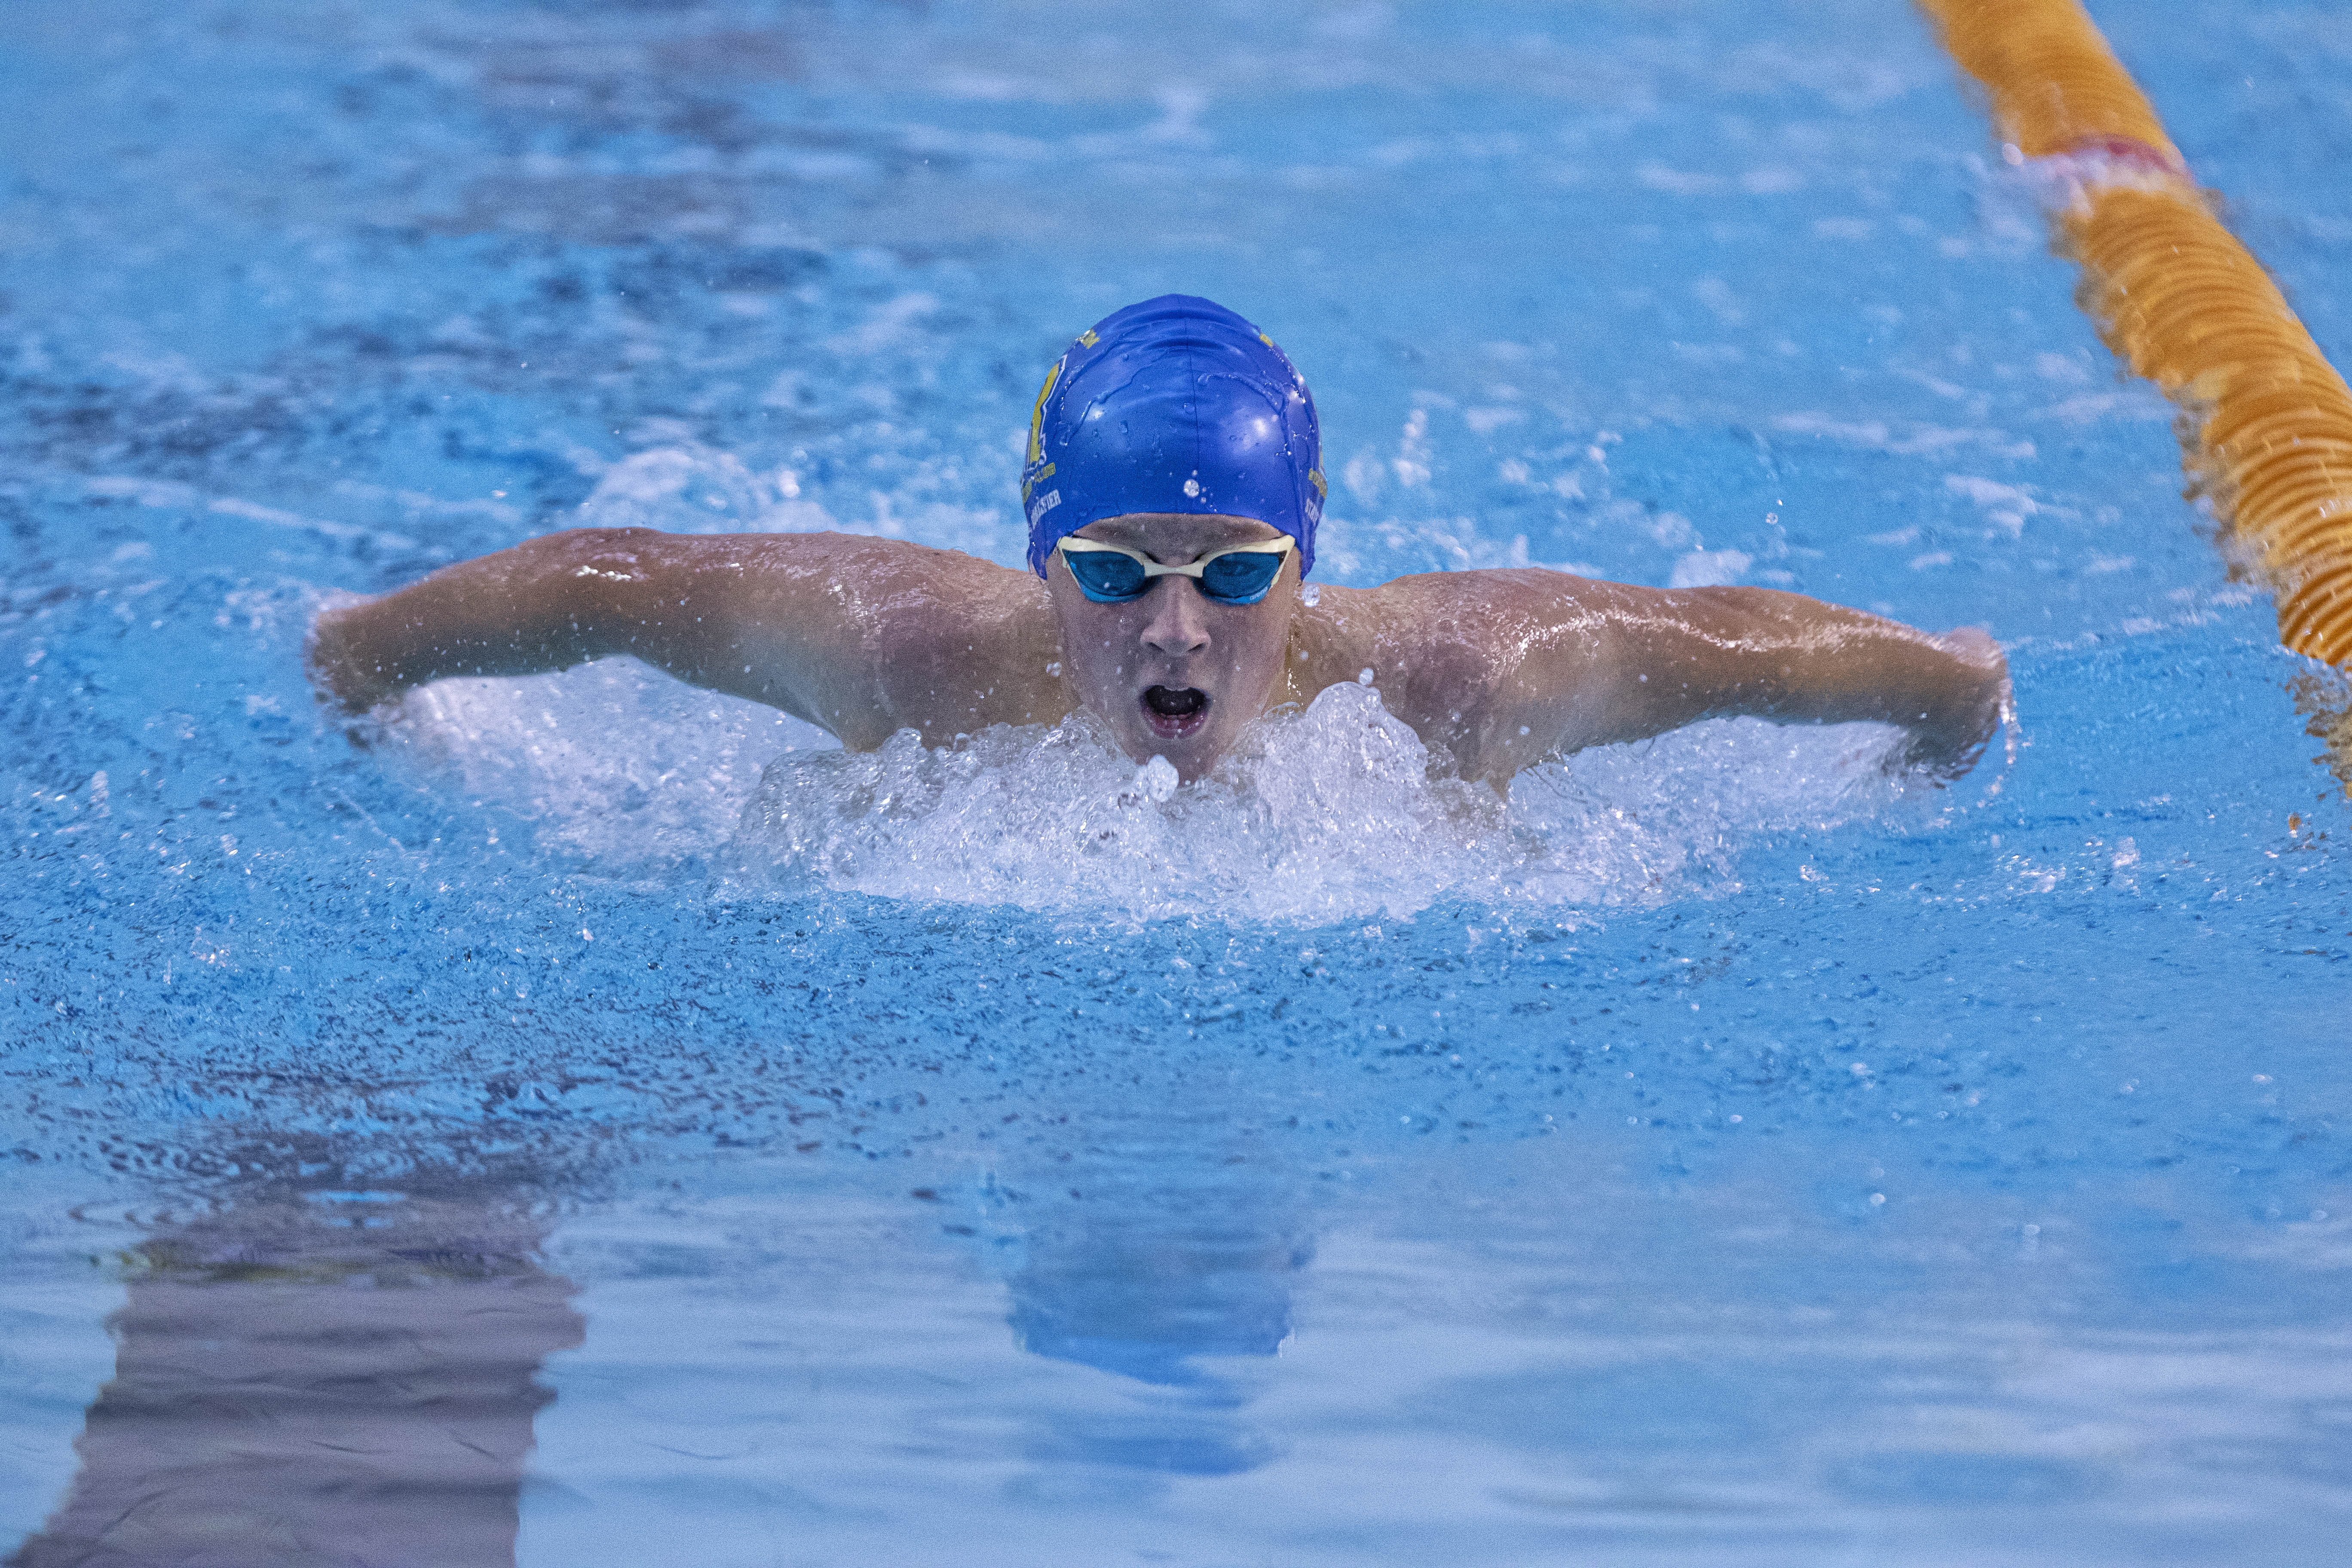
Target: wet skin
1495,670
1175,673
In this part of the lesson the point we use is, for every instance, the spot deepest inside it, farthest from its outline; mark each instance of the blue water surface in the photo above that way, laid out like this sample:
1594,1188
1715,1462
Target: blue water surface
1794,1168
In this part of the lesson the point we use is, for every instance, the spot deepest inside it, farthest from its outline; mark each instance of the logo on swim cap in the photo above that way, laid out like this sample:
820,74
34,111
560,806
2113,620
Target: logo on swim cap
1178,405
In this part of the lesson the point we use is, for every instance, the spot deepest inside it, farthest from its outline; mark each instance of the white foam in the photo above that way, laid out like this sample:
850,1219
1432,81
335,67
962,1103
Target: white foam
611,761
1326,815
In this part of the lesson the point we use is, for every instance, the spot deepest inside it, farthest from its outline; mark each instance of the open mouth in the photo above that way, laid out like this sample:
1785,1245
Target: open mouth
1175,711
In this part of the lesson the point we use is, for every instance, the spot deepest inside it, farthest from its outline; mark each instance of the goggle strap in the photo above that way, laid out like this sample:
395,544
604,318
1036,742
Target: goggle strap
1071,545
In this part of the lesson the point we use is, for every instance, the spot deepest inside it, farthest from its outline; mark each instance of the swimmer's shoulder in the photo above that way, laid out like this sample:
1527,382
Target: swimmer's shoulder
918,637
1487,667
1450,643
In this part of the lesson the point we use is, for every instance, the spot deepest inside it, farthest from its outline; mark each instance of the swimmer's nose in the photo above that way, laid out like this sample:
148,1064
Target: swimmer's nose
1176,627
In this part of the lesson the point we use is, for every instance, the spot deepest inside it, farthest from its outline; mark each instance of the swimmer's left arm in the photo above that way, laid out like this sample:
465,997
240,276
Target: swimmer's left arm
1581,663
1672,656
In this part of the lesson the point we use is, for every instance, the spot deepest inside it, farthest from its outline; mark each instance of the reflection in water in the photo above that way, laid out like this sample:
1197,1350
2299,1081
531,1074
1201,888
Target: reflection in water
308,1375
2324,697
1143,1284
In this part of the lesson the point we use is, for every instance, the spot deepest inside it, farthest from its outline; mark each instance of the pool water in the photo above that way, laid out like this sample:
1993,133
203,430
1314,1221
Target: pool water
580,1120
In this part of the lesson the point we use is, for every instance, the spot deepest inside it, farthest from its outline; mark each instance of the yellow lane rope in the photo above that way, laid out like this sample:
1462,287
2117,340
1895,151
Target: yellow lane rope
2267,431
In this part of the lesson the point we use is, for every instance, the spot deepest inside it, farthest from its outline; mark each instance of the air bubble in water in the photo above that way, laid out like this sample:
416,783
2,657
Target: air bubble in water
1156,780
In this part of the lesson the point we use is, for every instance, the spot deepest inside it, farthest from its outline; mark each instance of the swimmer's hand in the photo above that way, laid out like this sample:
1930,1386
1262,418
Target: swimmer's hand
515,612
342,677
1951,733
549,603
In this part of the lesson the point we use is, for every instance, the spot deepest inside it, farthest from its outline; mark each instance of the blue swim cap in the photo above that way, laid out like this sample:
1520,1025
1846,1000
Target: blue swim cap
1176,404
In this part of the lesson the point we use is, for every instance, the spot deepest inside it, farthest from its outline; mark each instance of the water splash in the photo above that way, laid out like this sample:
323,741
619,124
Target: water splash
1323,814
612,763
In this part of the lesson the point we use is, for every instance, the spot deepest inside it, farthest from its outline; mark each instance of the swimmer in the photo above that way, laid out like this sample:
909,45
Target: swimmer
1173,486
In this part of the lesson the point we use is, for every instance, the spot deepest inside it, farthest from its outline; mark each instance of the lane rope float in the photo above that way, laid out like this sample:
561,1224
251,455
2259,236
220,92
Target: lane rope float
2266,433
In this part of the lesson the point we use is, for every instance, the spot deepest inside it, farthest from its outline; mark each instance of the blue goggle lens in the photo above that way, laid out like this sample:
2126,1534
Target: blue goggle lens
1241,578
1105,577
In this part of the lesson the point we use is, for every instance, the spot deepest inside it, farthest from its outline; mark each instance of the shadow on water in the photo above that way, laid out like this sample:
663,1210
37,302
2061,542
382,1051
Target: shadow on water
315,1370
1162,1288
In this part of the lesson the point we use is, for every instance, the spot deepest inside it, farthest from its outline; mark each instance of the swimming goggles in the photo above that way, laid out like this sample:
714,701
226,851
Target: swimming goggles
1114,574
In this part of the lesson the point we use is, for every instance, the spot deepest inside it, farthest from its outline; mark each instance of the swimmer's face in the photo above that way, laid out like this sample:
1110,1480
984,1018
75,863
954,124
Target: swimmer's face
1175,673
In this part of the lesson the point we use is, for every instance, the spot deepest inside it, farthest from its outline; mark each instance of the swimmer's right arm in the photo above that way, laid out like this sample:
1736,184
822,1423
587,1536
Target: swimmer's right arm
859,635
540,605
